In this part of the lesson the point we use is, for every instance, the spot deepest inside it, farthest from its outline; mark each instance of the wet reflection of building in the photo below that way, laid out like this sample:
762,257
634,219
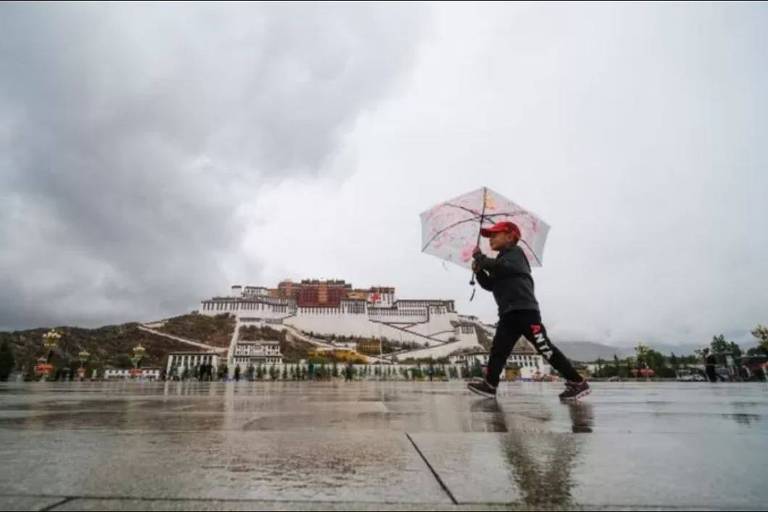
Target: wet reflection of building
541,461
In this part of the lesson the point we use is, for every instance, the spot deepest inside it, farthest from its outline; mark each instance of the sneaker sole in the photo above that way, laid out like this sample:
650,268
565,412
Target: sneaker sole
482,393
577,397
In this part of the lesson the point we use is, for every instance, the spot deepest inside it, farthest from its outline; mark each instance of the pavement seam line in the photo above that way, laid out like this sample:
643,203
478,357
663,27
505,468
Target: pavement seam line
57,504
437,477
86,497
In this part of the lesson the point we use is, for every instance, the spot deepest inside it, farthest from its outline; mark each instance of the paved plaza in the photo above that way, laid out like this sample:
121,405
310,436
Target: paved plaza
380,445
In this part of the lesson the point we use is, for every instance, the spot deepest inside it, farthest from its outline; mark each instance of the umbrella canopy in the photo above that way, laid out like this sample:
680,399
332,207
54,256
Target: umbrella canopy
451,230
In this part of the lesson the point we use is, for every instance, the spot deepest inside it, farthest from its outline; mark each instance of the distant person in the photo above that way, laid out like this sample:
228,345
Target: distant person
348,373
509,277
710,364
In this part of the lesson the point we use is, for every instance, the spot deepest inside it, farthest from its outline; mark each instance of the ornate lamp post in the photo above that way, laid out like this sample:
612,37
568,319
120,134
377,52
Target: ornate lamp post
138,355
44,367
50,342
84,356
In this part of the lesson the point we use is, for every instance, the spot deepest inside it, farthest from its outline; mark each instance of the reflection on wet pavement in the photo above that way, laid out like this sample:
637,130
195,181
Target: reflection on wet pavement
694,445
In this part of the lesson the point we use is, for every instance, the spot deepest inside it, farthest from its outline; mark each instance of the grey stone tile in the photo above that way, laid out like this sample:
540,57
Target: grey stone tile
542,469
8,503
173,505
630,445
304,465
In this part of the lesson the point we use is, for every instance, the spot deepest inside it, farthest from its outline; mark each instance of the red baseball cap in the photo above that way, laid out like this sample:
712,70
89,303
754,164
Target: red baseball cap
501,227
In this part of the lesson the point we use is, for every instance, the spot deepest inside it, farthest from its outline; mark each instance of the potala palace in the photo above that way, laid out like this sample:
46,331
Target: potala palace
425,328
328,314
334,308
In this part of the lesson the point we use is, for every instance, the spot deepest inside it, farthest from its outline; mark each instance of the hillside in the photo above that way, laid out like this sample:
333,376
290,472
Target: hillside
112,345
109,346
211,330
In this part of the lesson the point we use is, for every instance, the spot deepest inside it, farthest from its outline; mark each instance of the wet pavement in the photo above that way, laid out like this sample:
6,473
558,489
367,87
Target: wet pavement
380,445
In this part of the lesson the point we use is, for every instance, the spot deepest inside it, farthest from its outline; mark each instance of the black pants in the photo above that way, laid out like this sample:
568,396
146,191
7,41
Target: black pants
711,374
527,323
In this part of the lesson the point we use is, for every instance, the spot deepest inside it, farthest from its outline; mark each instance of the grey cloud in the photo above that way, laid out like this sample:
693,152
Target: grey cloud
130,134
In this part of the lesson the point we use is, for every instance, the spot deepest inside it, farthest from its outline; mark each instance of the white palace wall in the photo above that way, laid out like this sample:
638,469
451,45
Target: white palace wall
327,321
323,322
441,350
440,324
409,324
247,309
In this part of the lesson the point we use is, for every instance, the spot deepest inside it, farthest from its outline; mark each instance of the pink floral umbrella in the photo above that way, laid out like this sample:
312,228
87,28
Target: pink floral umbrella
451,230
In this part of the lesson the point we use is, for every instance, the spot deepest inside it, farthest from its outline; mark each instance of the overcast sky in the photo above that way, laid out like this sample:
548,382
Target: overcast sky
153,155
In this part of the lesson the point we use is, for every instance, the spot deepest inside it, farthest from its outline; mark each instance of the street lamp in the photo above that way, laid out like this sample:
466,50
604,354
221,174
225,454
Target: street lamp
138,355
44,368
84,356
50,341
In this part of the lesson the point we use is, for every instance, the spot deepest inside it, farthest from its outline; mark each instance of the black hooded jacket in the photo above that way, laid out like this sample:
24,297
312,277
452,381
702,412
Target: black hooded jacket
508,276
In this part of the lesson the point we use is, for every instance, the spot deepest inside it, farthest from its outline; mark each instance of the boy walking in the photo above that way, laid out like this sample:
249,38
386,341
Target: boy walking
508,276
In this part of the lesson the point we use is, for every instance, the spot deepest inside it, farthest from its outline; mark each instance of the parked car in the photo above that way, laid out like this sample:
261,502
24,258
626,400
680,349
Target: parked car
689,375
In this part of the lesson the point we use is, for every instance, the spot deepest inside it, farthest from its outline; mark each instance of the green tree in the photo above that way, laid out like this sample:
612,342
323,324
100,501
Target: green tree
719,344
655,361
626,369
641,352
761,333
735,349
600,366
122,361
7,360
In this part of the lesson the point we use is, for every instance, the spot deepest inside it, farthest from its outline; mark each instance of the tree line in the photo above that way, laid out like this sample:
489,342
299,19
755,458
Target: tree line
667,366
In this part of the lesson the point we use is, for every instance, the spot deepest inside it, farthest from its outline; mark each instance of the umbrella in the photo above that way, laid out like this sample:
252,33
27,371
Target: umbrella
451,230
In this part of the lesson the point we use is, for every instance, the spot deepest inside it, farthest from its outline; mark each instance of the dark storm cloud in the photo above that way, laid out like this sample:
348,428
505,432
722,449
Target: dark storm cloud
129,134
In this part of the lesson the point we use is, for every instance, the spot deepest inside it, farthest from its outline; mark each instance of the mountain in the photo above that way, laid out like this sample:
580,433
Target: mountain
108,346
586,351
112,345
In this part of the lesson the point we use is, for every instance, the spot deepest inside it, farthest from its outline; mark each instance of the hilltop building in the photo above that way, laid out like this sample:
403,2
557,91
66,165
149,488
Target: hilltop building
424,327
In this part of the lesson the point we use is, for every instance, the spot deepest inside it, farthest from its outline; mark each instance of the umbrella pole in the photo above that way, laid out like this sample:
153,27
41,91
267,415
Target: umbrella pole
477,244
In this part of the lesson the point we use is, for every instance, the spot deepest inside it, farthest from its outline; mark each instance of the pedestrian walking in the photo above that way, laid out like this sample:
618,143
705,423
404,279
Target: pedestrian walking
508,276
